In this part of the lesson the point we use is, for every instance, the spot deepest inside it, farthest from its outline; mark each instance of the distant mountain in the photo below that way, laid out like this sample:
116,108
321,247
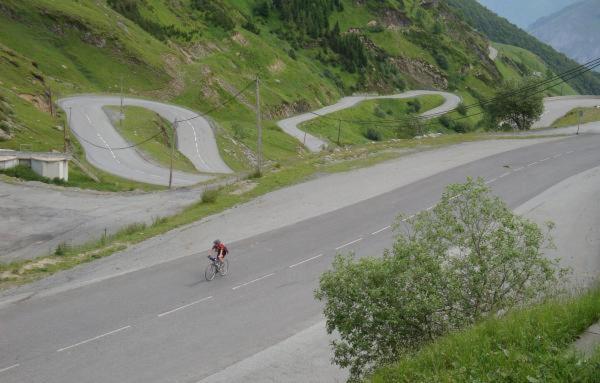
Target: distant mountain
575,30
524,13
500,30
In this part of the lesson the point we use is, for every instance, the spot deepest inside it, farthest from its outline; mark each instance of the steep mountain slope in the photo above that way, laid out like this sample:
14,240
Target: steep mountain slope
524,13
201,53
500,30
574,31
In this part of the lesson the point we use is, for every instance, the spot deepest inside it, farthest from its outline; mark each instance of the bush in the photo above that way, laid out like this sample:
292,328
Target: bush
442,61
62,249
462,127
462,109
414,106
250,26
468,259
210,195
239,132
378,112
373,134
132,228
446,121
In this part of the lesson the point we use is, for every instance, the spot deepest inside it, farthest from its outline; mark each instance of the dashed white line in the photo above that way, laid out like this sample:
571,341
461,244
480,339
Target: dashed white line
380,230
196,143
348,244
183,307
255,280
409,217
94,338
306,260
491,181
570,152
109,148
532,164
430,207
546,159
10,367
518,169
88,118
557,155
504,175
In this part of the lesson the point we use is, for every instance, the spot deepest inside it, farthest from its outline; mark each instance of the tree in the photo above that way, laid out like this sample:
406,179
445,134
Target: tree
468,258
515,107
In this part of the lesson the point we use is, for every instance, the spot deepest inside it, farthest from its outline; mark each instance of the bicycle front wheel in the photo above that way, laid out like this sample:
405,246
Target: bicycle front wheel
210,272
224,268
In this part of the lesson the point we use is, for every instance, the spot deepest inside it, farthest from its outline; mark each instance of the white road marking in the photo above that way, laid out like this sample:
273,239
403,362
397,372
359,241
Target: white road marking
519,169
94,338
545,159
430,207
348,244
109,148
380,230
10,367
184,306
88,118
306,260
570,152
504,175
409,217
197,149
491,181
532,164
255,280
557,155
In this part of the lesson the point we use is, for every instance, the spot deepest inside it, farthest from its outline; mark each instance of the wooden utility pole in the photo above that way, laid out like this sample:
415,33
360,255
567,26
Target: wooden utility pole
259,128
339,131
122,115
172,153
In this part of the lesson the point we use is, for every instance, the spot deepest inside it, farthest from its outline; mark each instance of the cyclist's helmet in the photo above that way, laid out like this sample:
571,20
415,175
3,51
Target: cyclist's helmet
217,242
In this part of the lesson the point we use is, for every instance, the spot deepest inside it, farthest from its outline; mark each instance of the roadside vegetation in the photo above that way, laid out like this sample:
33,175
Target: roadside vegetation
139,124
468,259
353,129
572,118
526,345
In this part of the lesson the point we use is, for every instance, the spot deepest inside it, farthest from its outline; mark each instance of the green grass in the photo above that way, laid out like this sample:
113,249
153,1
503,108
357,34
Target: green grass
139,124
572,118
353,132
528,345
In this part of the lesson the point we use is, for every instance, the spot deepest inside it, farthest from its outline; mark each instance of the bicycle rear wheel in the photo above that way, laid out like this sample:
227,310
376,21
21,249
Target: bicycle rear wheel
224,268
210,272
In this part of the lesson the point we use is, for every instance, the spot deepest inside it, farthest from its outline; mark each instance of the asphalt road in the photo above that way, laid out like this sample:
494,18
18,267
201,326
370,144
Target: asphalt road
166,324
556,107
195,140
314,144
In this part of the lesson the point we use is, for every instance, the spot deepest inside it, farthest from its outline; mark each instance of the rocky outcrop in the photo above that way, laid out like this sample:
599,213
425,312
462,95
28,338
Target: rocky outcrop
287,109
421,71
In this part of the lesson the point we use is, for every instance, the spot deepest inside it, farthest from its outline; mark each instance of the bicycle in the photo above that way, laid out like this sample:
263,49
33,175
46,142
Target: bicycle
215,266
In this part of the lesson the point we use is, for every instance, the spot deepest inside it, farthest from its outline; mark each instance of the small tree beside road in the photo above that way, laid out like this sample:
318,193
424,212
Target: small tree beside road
469,258
514,107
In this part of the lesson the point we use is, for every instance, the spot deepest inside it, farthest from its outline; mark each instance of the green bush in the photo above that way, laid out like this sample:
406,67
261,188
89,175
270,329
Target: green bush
210,195
62,249
373,134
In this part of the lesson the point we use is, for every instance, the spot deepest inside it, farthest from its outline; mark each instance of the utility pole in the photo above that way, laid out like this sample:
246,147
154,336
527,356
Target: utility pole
65,133
121,116
172,153
579,115
259,128
339,131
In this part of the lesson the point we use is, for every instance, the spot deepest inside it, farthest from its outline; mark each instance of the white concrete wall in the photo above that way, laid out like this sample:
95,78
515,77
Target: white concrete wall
9,164
51,169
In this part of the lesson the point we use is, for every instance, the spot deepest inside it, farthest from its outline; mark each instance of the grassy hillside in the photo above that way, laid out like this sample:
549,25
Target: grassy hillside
500,30
200,53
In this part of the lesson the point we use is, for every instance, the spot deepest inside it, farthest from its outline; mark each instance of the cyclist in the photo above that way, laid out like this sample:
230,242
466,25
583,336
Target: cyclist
219,249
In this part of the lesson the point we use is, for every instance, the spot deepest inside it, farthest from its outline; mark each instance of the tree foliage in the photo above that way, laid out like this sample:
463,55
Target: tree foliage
514,107
468,258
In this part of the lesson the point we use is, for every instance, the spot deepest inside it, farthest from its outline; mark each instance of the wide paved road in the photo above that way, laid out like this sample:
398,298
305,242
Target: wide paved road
195,140
166,324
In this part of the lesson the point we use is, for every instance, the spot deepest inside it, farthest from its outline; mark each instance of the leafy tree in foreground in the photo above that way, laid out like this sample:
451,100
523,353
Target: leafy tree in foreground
468,258
514,107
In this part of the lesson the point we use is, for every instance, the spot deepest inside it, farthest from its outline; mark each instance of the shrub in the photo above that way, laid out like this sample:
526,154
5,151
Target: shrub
132,228
373,134
462,109
468,259
210,195
414,106
62,249
250,26
239,132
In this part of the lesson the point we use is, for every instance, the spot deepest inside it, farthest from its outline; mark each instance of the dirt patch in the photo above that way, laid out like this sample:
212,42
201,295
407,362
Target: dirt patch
277,67
39,102
422,71
39,264
244,187
239,38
